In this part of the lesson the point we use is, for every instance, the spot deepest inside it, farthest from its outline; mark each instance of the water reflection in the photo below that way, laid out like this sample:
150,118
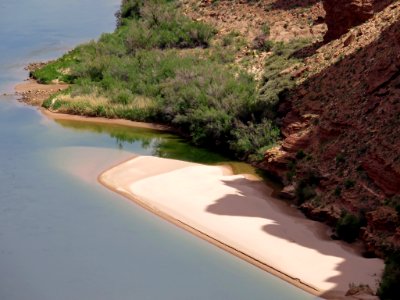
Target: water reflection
161,144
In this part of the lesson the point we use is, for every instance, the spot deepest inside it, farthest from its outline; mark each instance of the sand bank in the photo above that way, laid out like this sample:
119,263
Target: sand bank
35,93
241,217
99,120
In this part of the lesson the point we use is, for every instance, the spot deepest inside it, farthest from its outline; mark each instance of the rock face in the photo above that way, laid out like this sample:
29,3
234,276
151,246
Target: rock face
341,15
341,131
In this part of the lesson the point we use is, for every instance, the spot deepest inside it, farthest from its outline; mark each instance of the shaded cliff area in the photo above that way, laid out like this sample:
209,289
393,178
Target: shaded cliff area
340,154
341,133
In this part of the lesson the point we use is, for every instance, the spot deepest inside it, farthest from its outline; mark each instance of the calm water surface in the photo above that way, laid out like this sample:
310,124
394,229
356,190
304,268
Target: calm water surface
64,236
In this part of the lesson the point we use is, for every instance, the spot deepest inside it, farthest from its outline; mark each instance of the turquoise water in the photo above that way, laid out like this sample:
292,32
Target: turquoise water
63,235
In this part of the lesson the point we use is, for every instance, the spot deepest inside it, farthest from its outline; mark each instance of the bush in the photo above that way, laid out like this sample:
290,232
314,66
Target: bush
300,154
338,191
340,159
162,26
207,126
266,29
304,192
250,136
389,286
129,9
394,202
262,43
348,227
57,70
348,184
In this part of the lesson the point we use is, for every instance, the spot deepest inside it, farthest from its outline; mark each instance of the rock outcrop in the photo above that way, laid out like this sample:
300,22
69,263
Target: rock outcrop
341,15
341,130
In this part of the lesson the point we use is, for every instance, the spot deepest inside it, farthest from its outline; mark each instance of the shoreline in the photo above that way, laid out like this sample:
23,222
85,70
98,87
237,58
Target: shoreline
33,93
111,178
101,120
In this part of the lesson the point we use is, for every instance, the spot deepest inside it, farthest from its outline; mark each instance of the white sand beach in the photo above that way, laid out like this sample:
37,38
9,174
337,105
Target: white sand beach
241,216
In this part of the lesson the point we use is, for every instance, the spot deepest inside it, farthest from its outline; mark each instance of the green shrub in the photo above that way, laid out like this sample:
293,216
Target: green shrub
394,202
304,191
338,191
129,9
348,184
162,26
266,29
47,103
207,126
348,227
57,70
262,43
340,159
300,154
389,285
229,38
250,136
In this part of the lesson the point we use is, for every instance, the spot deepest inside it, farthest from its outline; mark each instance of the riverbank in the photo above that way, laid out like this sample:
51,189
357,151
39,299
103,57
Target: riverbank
241,217
34,93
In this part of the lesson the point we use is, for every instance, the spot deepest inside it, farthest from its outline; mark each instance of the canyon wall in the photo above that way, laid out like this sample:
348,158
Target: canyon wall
341,15
341,128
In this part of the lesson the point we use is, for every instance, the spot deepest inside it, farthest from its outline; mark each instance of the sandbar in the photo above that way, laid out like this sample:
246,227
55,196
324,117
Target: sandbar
241,216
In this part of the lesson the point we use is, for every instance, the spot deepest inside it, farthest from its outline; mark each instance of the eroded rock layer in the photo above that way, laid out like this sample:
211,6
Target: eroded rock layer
341,15
341,151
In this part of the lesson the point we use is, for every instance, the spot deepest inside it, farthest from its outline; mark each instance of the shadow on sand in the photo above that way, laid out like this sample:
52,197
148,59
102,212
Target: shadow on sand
289,224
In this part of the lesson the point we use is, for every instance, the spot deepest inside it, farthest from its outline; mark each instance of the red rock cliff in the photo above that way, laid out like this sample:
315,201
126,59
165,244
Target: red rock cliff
341,15
342,126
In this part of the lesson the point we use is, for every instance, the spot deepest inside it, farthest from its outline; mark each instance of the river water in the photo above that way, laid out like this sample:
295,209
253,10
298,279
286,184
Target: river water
63,235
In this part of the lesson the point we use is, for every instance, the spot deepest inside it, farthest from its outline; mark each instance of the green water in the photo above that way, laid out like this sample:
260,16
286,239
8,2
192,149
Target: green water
161,144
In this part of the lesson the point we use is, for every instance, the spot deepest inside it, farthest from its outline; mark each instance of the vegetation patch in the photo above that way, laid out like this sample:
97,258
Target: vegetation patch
277,78
389,286
161,66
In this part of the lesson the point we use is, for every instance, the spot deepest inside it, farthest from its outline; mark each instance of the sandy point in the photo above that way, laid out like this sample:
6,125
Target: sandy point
241,216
